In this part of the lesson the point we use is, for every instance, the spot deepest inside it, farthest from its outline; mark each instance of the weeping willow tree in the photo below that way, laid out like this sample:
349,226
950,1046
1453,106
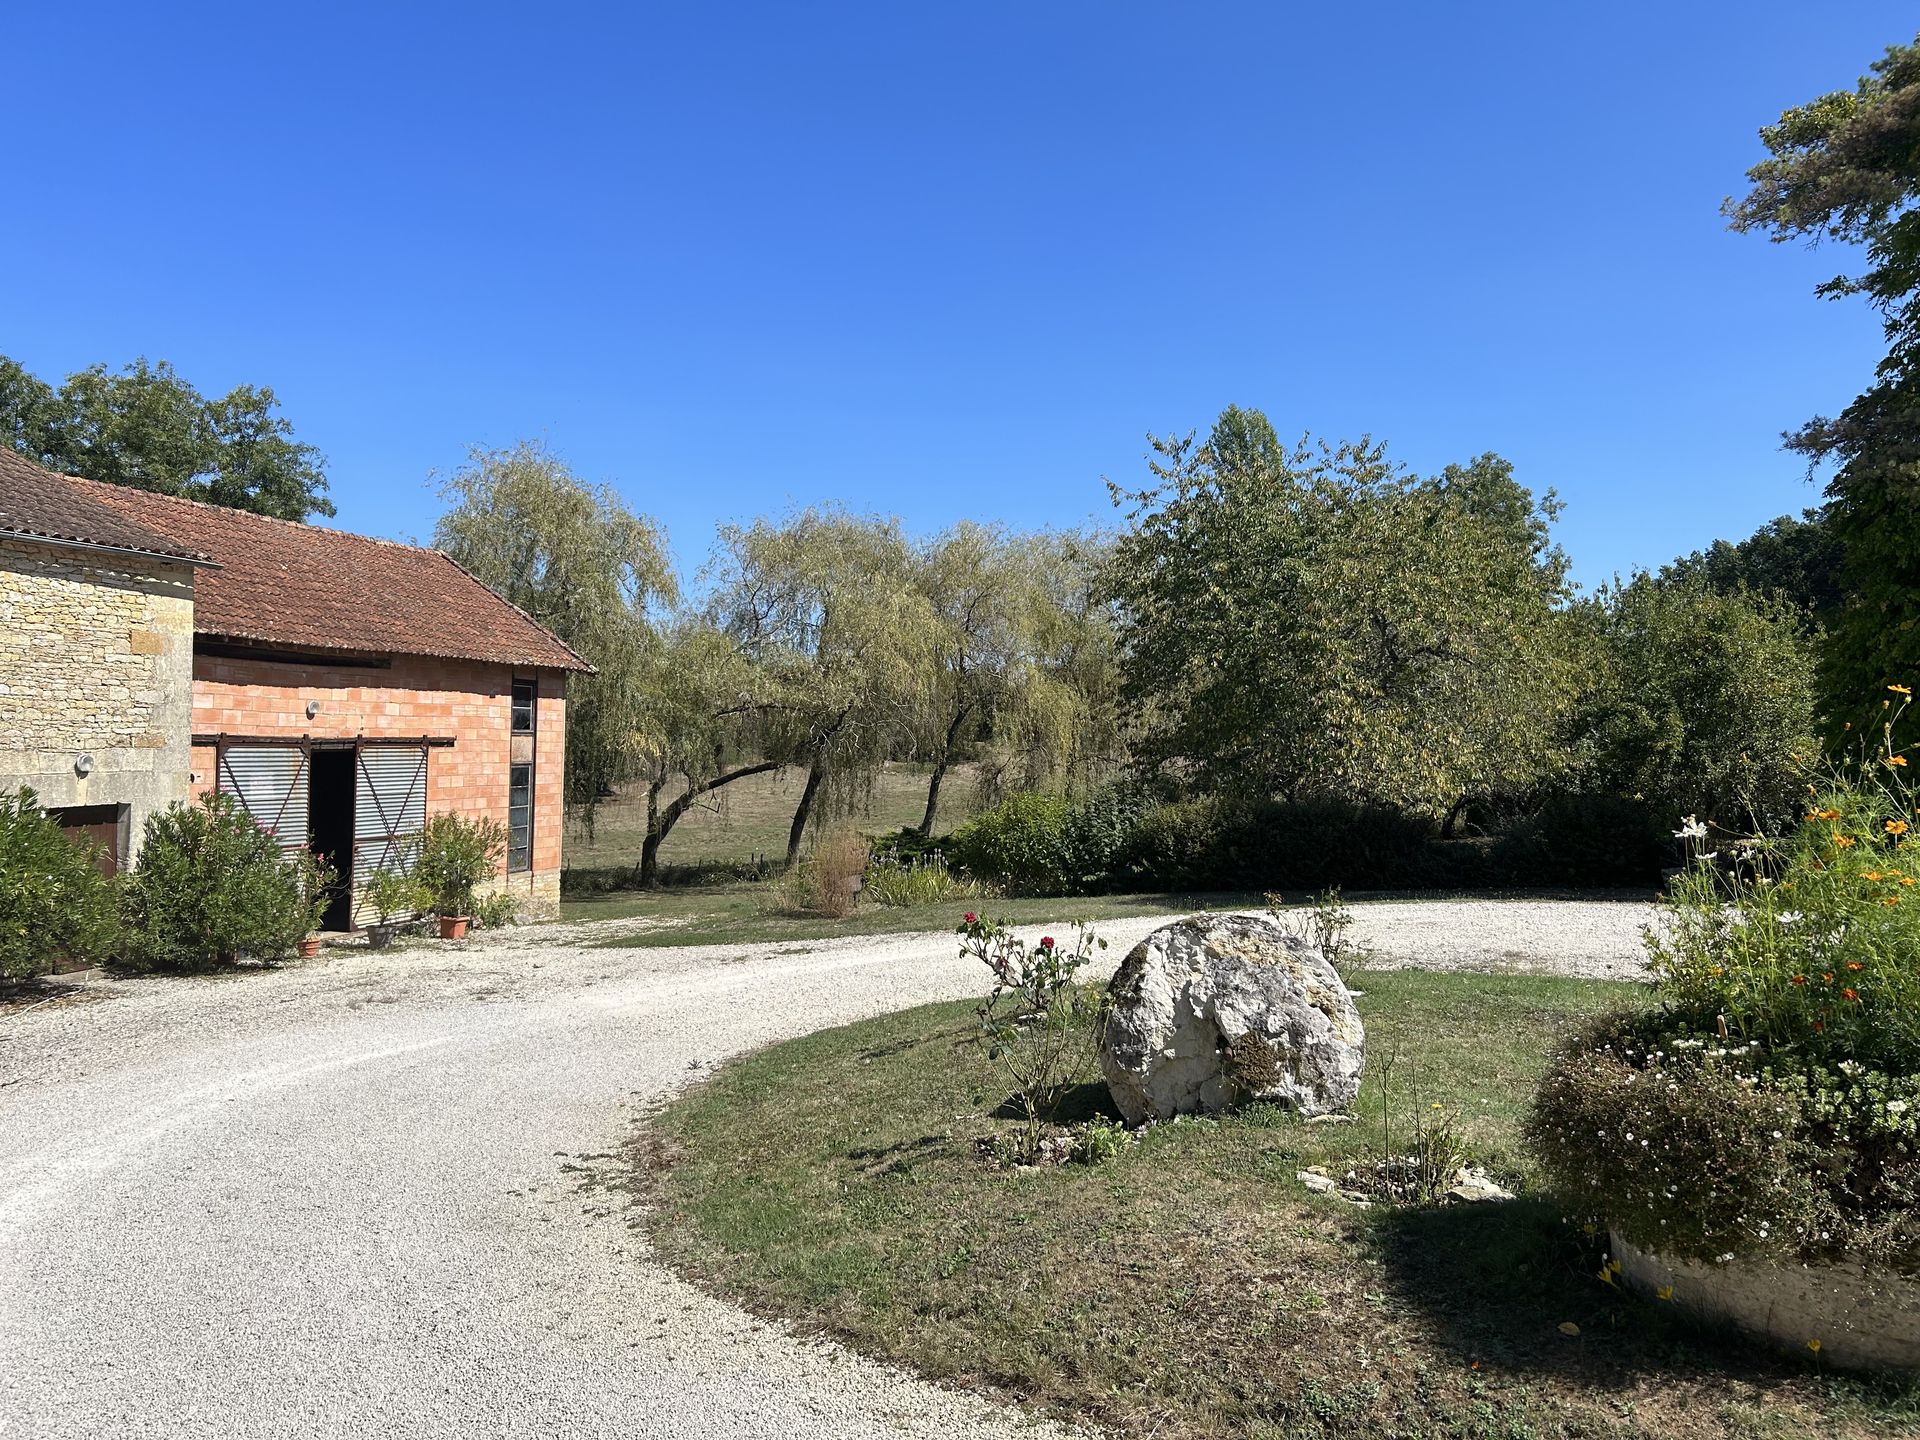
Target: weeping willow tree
1046,705
578,561
827,607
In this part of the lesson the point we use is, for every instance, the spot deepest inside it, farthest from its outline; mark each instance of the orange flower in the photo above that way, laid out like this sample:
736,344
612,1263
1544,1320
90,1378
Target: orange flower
1850,994
1827,975
1891,900
1819,1026
1896,827
1896,759
1875,875
1845,842
1855,965
1799,979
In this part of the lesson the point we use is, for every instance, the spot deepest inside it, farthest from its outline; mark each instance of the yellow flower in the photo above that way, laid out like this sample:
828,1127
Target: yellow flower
1845,842
1567,1327
1896,827
1814,1345
1901,690
1896,760
1665,1292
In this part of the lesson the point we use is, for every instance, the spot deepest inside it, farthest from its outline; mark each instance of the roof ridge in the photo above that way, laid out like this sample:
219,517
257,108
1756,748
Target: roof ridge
303,526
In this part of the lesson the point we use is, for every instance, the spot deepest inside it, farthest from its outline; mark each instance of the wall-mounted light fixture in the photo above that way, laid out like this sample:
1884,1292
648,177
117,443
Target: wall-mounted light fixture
313,708
83,767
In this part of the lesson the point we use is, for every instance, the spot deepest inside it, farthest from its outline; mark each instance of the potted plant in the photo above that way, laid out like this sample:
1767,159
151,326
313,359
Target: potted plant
316,881
457,855
391,893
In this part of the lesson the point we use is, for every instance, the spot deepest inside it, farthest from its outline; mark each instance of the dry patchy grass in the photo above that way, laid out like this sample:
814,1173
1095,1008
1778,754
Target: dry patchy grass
748,819
1191,1286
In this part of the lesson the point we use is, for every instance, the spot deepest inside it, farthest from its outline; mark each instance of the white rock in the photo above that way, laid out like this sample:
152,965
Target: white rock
1218,1010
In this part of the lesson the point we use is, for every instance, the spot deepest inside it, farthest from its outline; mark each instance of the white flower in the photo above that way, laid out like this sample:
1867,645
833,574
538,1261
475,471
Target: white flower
1691,828
1896,1107
1789,917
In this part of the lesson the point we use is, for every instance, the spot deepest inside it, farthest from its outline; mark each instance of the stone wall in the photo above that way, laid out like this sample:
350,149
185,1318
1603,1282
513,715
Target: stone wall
467,701
96,657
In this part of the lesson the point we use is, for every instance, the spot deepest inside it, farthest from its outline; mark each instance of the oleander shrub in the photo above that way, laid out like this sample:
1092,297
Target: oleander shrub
456,856
213,887
55,904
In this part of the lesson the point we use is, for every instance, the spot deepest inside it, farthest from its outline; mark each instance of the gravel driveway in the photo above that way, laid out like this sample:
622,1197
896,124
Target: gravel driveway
363,1196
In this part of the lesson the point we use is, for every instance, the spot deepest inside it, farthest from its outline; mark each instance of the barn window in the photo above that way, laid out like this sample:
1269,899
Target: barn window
520,817
523,691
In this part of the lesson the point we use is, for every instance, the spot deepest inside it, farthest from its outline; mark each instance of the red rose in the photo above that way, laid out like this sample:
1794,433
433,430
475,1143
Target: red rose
971,917
1046,942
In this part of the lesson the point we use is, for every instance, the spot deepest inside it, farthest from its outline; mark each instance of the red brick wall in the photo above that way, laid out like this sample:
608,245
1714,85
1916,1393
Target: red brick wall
469,701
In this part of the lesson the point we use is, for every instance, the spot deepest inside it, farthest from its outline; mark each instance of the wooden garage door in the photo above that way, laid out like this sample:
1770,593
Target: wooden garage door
389,811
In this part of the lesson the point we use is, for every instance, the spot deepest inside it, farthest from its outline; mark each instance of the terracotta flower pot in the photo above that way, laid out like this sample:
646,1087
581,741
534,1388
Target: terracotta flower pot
309,947
454,927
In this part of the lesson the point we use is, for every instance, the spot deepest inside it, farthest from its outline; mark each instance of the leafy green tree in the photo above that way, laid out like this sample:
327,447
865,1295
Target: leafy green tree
1317,621
146,427
1698,701
828,606
1846,167
578,561
1797,559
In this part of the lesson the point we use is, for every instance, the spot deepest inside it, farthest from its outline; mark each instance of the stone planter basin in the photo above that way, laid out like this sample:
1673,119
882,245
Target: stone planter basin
1864,1318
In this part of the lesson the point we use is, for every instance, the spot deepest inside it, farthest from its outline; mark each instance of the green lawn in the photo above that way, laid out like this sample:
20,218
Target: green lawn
748,820
1192,1286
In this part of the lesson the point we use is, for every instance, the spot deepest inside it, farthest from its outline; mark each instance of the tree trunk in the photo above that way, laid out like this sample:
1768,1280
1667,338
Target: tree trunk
940,770
1453,817
816,772
660,822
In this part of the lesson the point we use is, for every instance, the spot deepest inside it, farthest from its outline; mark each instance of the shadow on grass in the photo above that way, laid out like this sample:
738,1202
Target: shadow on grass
1087,1101
1495,1282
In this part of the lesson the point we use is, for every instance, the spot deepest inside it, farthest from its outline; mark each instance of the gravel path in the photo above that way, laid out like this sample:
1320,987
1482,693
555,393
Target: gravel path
364,1196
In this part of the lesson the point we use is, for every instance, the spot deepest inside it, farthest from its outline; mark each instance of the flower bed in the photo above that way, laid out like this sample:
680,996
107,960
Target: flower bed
1755,1139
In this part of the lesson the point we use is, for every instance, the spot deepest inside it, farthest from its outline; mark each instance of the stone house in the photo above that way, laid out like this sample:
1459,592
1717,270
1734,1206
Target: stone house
343,688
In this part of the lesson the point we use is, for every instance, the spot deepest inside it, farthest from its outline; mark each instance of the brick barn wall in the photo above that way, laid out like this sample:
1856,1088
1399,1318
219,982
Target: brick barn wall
467,700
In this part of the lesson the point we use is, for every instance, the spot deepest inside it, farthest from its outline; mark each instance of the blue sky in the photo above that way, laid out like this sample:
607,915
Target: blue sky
947,260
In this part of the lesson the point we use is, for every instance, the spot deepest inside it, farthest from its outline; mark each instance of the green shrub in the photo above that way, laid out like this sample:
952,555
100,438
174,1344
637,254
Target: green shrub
1677,1147
1585,840
1020,843
213,886
456,855
492,911
1223,844
54,903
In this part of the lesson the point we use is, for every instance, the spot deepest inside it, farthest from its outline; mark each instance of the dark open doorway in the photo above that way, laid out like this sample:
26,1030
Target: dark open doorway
330,824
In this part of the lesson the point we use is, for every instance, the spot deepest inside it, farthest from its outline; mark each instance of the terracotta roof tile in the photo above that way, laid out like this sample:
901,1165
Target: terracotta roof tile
41,504
284,583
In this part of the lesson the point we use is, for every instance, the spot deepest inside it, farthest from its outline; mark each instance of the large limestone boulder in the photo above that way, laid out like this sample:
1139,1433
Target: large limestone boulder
1219,1010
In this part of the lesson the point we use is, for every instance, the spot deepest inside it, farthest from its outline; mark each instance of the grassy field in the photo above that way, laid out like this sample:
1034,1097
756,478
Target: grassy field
748,820
1192,1286
726,914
